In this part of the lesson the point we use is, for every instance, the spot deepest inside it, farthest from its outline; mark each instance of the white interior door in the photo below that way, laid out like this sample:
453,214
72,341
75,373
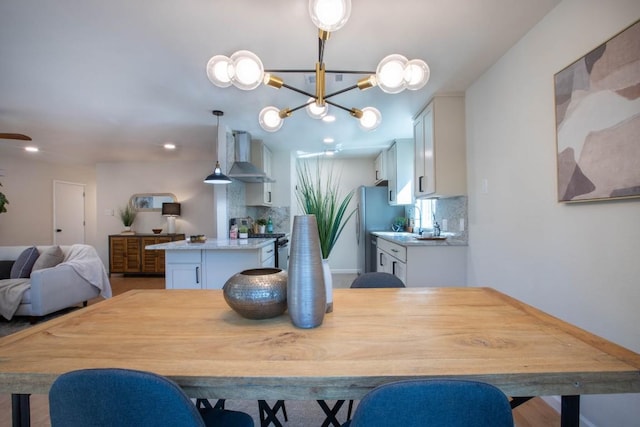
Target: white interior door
68,213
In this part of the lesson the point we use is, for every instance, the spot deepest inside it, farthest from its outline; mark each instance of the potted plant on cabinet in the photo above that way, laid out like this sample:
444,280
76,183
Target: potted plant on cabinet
243,232
128,216
318,193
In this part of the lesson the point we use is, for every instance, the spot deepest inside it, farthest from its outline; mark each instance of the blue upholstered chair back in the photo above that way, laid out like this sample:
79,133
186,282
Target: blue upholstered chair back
377,279
121,398
433,403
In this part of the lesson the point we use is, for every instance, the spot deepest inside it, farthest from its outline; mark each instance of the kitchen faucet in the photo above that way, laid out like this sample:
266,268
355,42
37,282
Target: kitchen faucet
415,207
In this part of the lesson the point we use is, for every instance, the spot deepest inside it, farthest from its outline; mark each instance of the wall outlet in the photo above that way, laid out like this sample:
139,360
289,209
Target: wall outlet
461,224
445,225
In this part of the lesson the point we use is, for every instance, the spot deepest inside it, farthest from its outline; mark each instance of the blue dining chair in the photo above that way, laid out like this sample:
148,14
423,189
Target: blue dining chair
434,403
377,279
115,397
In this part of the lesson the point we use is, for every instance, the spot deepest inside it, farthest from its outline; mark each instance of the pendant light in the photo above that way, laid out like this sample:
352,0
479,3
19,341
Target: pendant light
217,177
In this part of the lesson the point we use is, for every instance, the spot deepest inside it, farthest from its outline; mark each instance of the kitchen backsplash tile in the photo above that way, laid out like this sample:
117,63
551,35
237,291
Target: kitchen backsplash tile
453,209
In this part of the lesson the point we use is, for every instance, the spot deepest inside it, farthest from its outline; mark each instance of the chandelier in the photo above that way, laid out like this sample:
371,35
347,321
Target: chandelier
244,70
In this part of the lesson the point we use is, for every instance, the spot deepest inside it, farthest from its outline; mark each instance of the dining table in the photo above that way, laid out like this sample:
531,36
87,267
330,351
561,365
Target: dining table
372,337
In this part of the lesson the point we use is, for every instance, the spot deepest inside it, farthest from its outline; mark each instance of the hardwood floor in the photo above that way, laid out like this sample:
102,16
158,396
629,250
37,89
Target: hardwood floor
534,413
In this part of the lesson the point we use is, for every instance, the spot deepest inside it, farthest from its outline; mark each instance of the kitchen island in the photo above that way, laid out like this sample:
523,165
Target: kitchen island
210,264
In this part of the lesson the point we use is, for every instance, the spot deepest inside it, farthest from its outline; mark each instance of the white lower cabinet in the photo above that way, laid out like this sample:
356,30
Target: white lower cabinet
268,257
392,259
423,265
210,269
183,270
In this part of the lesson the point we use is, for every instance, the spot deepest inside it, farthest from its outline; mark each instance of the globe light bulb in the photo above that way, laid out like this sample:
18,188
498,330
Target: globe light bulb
329,15
270,119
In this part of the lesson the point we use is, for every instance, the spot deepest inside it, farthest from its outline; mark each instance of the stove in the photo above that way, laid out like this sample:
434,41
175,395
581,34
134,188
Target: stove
267,235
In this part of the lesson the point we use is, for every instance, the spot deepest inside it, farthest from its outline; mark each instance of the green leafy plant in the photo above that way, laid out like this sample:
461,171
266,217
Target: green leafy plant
261,221
400,221
243,229
128,215
3,201
318,194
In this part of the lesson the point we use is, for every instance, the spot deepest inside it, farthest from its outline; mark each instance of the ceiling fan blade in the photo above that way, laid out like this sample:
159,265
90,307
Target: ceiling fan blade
18,136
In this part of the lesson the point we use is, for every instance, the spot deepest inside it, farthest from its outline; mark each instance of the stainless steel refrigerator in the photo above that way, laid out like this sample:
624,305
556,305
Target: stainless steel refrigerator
373,214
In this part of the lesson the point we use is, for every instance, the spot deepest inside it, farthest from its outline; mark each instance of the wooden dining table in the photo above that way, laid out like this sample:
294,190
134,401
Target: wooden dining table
372,337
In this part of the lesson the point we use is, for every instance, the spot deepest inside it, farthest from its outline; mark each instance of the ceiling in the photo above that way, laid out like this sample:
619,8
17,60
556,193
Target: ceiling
105,81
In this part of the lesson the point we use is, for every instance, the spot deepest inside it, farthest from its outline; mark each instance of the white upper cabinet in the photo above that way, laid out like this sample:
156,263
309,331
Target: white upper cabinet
380,167
260,194
400,172
440,149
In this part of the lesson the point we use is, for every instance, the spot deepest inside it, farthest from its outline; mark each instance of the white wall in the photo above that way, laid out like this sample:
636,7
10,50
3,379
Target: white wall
28,185
116,183
578,262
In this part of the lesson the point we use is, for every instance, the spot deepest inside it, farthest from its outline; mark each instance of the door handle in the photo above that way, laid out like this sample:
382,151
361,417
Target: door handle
58,230
393,268
198,275
420,184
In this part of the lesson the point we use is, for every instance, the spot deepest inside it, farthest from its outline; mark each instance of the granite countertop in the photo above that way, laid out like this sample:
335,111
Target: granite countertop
411,239
215,244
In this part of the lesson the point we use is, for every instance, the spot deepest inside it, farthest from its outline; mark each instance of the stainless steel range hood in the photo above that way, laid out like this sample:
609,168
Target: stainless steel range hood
242,168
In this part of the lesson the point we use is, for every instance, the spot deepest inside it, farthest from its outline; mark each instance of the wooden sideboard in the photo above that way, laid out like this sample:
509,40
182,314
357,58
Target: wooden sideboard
127,253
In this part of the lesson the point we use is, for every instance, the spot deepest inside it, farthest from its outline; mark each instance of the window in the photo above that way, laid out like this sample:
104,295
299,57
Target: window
423,213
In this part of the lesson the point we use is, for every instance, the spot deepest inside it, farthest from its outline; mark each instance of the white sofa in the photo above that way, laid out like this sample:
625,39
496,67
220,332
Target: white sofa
80,277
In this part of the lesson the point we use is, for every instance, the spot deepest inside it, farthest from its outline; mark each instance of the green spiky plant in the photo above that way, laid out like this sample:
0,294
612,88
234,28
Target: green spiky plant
319,194
3,201
128,215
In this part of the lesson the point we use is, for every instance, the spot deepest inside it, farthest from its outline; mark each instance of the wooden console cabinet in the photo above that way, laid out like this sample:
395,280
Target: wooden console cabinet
127,253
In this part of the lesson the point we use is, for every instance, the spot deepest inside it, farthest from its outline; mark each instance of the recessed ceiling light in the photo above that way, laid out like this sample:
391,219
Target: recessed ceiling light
31,149
328,140
169,146
329,118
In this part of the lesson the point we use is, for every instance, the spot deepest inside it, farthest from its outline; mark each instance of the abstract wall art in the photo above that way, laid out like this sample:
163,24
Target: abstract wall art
597,103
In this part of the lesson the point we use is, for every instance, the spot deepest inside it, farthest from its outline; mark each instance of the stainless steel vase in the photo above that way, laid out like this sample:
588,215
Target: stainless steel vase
306,295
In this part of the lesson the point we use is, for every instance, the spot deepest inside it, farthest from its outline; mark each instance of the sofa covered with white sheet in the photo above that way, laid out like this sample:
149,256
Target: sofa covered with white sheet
78,277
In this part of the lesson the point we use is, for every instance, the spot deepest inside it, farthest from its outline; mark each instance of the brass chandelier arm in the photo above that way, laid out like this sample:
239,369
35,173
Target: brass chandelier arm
290,71
347,89
349,110
298,90
326,71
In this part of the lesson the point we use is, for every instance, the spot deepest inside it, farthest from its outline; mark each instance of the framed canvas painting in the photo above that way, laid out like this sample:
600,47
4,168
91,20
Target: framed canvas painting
597,103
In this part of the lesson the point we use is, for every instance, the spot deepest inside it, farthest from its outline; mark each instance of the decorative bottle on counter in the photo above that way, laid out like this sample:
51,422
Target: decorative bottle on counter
269,225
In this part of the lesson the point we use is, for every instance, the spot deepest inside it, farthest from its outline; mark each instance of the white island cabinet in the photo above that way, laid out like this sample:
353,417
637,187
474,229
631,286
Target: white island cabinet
209,265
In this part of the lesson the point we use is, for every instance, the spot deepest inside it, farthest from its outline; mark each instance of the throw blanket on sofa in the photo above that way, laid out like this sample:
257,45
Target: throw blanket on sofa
85,261
11,291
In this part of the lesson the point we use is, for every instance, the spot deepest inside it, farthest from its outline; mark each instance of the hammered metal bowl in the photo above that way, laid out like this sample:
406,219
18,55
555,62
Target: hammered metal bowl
259,293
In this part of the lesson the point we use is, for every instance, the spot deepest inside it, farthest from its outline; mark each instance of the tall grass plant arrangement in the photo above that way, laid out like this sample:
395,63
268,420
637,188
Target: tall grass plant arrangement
318,193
